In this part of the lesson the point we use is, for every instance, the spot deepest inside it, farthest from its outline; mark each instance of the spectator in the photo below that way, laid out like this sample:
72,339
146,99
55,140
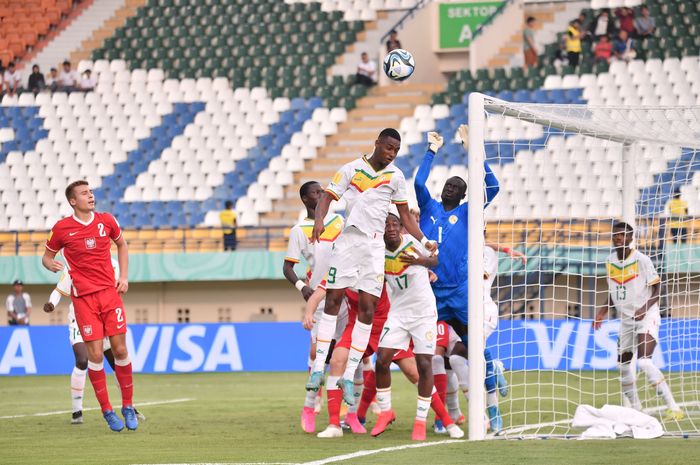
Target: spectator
529,45
678,210
602,25
228,223
585,26
573,43
625,17
36,81
603,50
393,43
366,71
18,305
68,79
87,82
624,47
52,81
645,24
12,80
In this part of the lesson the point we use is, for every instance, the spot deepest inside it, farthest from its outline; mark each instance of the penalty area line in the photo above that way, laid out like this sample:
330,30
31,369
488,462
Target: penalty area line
62,412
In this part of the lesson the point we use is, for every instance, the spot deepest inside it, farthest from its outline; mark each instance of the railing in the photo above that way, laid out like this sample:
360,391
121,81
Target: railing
161,240
408,15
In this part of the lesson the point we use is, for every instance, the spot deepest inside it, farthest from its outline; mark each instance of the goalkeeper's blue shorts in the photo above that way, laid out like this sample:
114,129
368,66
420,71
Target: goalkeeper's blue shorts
452,302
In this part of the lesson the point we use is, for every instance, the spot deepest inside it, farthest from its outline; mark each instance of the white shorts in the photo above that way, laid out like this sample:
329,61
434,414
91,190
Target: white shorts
74,335
631,329
399,332
357,261
340,323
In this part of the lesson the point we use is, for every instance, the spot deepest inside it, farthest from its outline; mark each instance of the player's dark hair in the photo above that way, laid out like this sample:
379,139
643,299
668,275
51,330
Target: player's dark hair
228,204
395,216
623,225
530,19
304,189
73,185
390,132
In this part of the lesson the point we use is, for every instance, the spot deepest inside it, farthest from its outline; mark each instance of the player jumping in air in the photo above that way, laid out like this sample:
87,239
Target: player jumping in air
634,288
85,238
447,223
369,186
77,379
412,318
317,257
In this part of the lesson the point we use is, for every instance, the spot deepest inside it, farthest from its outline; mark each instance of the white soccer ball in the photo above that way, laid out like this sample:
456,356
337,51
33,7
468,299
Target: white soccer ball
399,64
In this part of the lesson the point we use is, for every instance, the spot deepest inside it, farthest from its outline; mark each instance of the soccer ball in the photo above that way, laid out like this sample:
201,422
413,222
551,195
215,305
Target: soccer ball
399,64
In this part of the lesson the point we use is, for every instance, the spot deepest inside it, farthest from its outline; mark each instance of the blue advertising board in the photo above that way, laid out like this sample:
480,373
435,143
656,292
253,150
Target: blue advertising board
186,348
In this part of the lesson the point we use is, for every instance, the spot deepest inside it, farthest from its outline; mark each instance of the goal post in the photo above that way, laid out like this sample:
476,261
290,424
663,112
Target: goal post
566,174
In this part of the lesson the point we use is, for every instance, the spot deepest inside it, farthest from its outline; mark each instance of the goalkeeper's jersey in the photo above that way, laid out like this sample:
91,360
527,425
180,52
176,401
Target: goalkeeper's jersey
630,281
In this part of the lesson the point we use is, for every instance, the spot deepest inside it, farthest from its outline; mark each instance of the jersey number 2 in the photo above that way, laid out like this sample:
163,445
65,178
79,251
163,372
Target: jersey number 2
101,228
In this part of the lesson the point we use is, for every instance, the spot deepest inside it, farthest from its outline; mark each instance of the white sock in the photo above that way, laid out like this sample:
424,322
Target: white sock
384,398
358,386
422,408
310,399
332,382
460,366
367,364
326,331
77,388
656,379
360,339
492,398
452,399
628,380
438,365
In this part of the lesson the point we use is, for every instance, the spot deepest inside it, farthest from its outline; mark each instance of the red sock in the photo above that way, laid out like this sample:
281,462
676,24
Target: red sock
439,407
368,393
335,398
99,384
441,386
126,383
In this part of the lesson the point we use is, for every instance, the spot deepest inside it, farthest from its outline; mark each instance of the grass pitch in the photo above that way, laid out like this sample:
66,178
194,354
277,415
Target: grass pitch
254,418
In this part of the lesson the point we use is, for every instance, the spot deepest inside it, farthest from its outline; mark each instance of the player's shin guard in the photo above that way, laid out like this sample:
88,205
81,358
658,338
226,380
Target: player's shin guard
422,408
439,408
452,398
122,370
335,398
360,339
440,376
96,373
656,379
460,366
358,383
77,388
368,393
628,380
326,331
490,380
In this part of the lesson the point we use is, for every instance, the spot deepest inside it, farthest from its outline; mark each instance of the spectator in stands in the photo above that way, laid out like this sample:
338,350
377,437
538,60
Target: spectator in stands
624,47
573,43
625,16
228,223
393,43
644,25
585,26
366,71
12,80
88,81
36,81
18,305
678,210
603,50
68,79
52,80
602,25
529,45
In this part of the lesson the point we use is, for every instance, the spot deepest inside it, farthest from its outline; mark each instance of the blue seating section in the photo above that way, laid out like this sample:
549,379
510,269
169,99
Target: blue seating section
27,125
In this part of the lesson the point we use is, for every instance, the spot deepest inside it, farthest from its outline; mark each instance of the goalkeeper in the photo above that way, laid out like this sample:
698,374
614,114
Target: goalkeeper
446,222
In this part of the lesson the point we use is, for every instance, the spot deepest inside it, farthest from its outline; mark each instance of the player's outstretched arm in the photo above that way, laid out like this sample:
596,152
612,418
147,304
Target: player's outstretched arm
602,313
490,180
54,299
122,283
409,222
49,262
311,305
322,207
422,192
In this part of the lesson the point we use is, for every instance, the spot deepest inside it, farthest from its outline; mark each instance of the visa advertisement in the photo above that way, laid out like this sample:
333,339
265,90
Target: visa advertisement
189,348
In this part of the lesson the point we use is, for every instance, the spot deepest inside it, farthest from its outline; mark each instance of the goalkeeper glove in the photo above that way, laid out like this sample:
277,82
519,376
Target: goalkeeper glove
434,141
463,132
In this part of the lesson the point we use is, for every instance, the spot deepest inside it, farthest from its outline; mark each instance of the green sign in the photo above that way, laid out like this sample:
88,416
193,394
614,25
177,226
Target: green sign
458,22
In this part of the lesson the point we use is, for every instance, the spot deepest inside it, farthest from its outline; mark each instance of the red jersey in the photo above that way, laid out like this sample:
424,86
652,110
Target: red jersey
382,311
86,248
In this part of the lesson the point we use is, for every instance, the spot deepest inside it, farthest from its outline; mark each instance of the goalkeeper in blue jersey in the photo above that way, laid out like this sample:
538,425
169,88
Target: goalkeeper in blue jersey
446,222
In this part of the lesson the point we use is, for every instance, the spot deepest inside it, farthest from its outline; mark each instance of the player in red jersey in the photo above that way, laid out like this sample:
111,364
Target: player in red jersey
86,238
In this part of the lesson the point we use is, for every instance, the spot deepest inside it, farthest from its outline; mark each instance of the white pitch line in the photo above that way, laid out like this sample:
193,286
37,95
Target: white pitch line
61,412
362,453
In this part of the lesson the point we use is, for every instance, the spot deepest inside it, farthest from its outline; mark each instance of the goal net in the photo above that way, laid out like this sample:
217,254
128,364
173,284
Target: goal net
567,173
